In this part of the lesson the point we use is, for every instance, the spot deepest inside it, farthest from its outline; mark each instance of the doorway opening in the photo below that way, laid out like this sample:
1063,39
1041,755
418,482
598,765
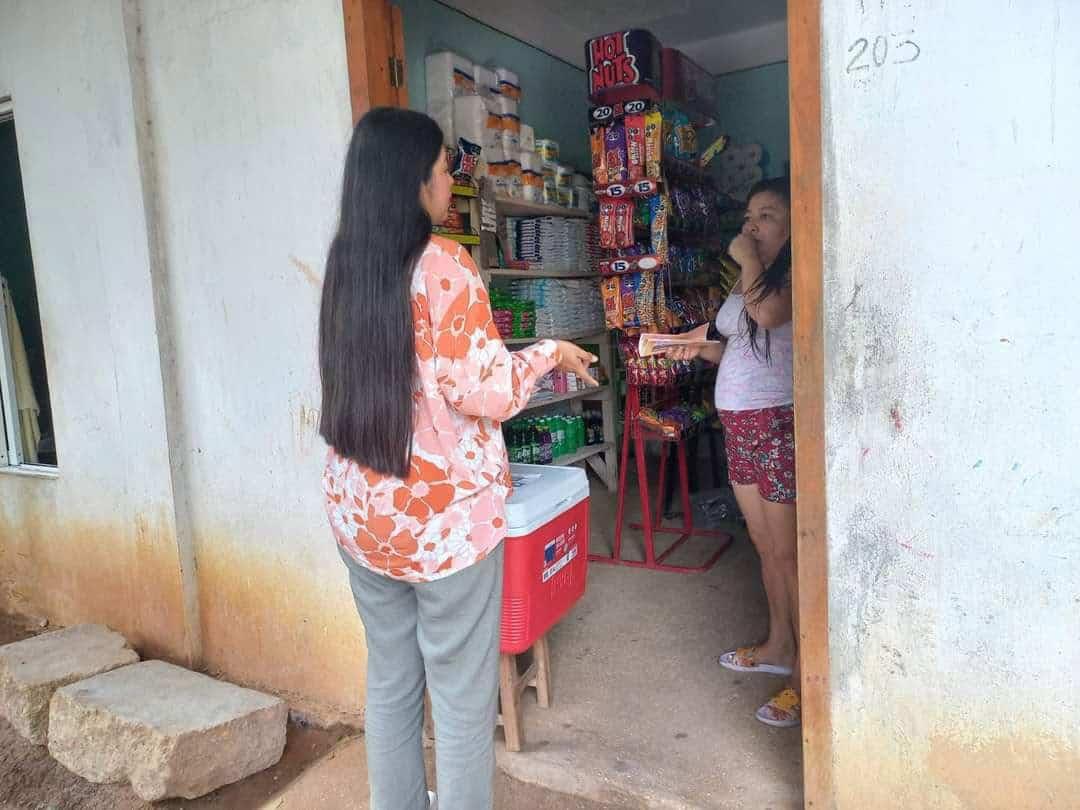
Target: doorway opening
642,646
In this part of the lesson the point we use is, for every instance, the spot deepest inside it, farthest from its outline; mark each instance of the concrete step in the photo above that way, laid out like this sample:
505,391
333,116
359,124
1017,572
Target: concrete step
32,669
170,731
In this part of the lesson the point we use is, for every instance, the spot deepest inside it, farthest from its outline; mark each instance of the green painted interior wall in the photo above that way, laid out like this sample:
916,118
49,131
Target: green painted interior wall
753,108
553,99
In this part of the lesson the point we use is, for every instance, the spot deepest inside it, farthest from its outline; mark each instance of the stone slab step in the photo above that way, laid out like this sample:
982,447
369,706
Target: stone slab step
32,669
169,731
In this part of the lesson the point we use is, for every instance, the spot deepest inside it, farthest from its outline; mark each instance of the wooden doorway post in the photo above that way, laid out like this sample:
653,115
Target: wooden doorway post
804,70
375,50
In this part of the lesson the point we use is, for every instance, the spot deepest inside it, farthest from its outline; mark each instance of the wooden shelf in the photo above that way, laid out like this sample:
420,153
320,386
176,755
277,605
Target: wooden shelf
523,208
569,397
585,452
577,338
507,272
462,238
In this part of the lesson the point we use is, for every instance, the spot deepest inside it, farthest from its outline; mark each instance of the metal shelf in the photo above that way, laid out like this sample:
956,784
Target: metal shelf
571,337
508,272
569,397
523,208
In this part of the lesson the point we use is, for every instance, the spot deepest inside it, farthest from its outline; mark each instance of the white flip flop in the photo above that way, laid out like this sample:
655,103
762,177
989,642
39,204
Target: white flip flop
730,660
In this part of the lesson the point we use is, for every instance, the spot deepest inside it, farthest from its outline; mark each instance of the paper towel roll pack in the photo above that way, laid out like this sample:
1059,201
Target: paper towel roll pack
448,76
509,84
485,81
528,138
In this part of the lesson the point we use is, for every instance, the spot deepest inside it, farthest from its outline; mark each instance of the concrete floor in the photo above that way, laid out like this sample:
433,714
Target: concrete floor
642,715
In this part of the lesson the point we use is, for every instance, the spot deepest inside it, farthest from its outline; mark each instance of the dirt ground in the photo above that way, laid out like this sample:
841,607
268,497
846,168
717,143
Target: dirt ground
319,769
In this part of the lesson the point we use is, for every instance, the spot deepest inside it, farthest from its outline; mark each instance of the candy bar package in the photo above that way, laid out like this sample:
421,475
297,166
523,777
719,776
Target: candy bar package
635,147
465,159
644,304
659,206
607,224
628,286
653,134
599,162
611,293
615,153
624,223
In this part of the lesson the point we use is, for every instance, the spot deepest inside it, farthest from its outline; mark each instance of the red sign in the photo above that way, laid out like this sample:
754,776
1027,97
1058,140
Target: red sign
612,63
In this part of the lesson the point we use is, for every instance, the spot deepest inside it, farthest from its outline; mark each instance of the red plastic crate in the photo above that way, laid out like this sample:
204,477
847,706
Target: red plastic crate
545,568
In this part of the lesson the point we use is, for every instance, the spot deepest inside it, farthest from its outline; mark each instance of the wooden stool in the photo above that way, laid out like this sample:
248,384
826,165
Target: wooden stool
512,684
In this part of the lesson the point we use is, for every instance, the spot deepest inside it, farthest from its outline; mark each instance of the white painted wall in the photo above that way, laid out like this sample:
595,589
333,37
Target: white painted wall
952,402
100,537
182,171
250,120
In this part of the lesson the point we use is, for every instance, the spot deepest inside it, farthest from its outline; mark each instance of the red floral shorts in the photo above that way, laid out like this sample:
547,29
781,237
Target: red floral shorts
761,450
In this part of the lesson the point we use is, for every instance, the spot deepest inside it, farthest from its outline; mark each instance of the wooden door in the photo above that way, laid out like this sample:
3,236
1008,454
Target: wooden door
375,47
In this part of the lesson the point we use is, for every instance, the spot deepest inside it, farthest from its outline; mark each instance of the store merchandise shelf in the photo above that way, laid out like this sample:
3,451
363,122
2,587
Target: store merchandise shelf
588,393
462,238
507,272
585,452
513,207
576,338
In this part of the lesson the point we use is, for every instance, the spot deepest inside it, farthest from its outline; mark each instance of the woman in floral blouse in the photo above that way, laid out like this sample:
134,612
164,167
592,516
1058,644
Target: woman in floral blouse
415,383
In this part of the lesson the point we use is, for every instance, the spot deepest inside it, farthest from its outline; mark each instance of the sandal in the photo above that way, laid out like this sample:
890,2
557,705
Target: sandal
744,660
783,711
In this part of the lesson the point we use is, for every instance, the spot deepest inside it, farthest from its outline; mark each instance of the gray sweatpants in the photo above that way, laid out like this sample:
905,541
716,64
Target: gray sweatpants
444,634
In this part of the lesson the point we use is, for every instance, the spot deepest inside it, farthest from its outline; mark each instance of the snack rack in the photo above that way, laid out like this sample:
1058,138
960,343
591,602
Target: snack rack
663,268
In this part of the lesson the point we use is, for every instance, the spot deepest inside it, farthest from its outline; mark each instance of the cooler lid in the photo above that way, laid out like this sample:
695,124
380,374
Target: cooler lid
541,492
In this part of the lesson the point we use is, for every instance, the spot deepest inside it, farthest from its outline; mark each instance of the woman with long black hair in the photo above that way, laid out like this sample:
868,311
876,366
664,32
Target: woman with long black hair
754,395
415,382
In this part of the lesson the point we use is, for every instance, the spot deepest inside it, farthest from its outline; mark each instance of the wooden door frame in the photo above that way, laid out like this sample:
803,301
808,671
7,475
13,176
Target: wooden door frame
804,91
365,82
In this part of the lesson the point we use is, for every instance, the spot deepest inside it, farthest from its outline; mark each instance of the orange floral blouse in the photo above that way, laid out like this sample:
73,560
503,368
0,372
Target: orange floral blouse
450,511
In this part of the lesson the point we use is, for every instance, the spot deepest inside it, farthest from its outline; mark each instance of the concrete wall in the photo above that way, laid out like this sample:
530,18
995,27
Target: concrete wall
553,98
251,117
752,107
952,402
182,171
98,541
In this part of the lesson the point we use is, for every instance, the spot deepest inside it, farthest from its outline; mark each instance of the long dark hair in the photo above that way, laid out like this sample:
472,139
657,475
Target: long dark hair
777,276
367,356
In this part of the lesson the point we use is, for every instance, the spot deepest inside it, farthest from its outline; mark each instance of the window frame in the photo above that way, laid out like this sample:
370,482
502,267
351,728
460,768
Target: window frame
11,458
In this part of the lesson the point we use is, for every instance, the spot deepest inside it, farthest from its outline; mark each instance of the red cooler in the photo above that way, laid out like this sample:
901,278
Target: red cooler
546,551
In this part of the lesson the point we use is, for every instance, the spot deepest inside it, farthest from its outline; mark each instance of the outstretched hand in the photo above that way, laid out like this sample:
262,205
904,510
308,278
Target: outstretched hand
569,357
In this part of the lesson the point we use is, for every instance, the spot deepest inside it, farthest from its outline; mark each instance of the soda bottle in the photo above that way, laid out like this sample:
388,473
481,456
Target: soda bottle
579,432
533,442
560,441
545,445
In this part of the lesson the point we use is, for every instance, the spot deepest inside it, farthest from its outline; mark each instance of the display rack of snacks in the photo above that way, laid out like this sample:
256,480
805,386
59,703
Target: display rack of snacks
662,260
